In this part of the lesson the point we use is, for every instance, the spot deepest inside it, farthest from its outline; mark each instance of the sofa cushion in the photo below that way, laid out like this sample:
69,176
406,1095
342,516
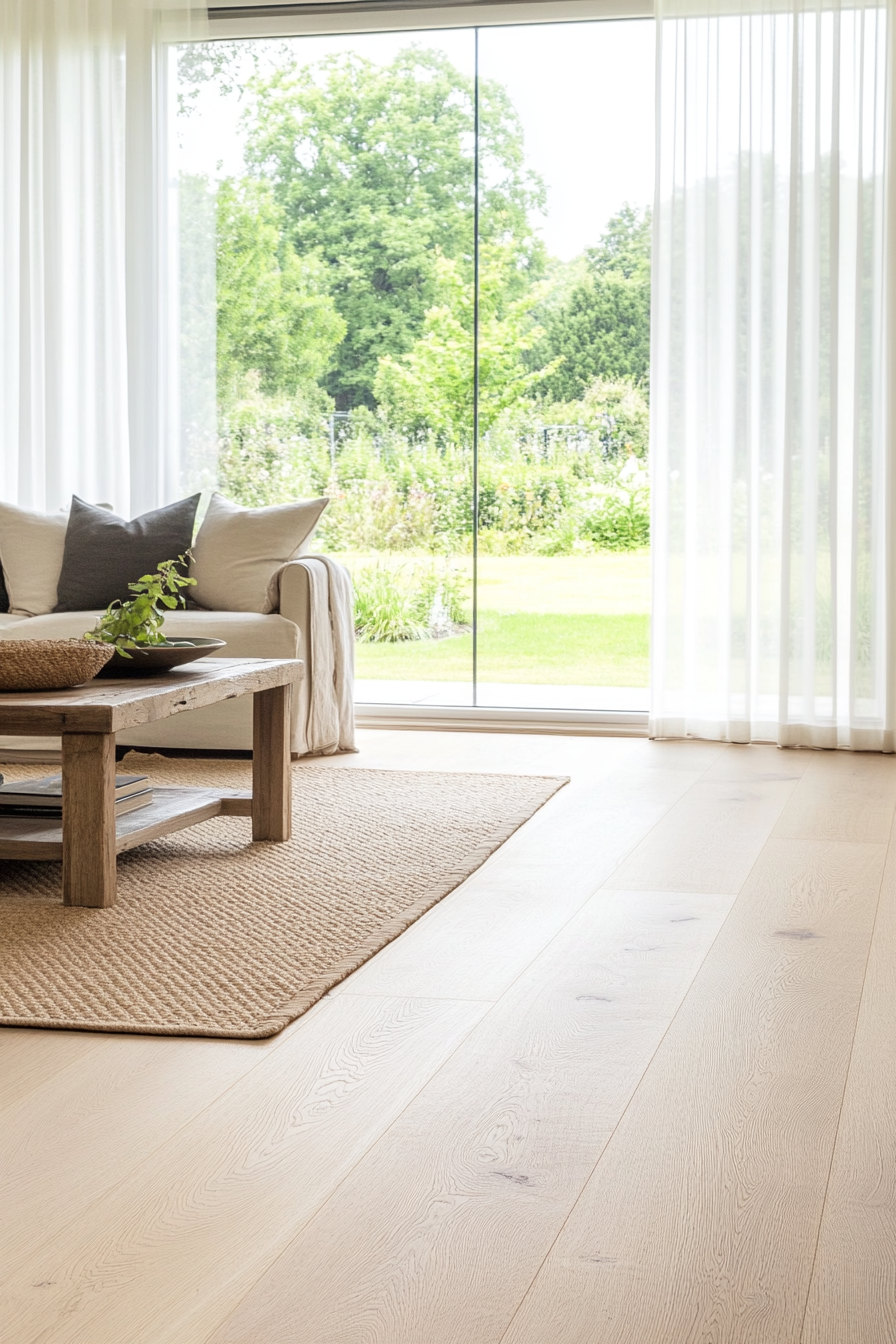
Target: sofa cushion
238,551
31,549
104,553
247,634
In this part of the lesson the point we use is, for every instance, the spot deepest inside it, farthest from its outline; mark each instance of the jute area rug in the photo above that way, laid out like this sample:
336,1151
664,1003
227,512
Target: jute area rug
215,936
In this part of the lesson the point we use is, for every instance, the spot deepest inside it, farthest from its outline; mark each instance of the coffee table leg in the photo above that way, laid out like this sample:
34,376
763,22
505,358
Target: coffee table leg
88,819
271,777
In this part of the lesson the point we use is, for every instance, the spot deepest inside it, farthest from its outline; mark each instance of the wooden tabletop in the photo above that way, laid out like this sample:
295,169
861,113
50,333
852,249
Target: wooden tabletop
109,706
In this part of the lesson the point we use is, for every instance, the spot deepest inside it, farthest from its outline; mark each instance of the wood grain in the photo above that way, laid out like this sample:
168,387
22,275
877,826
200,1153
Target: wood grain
179,1238
711,839
586,759
237,803
88,819
111,706
271,769
843,795
699,1223
120,1103
29,1059
170,810
852,1299
475,942
435,1236
40,839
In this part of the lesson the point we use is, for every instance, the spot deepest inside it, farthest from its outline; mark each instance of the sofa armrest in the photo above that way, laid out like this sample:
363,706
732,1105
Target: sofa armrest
295,598
295,606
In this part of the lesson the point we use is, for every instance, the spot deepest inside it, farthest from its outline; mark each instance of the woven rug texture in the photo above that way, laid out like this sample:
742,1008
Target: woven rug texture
213,935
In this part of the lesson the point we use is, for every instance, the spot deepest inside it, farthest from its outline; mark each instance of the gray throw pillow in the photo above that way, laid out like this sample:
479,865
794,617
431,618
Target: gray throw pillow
103,553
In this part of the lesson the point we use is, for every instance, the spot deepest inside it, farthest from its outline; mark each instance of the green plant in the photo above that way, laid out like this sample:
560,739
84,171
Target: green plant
393,606
385,609
370,165
617,511
138,622
441,598
544,473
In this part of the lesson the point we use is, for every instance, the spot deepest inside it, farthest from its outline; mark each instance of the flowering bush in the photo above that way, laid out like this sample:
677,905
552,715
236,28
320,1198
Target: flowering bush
552,479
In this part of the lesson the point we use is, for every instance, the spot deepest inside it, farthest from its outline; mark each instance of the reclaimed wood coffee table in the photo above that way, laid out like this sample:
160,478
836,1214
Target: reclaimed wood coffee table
89,716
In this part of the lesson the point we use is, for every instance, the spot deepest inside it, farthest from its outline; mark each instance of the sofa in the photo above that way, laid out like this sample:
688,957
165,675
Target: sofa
281,632
227,726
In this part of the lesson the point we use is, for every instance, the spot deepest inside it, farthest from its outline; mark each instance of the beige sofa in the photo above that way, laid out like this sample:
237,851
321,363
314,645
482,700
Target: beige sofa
248,635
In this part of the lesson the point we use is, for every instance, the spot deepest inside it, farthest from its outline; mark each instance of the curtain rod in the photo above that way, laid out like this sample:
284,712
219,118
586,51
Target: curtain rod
250,11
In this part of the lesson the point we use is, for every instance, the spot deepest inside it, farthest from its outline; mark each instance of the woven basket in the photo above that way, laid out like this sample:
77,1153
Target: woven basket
49,664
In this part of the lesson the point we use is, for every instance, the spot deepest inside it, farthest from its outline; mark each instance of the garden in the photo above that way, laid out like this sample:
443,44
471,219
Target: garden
345,348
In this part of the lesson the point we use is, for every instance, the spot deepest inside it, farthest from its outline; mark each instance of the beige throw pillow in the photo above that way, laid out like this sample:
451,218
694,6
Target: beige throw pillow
238,551
31,547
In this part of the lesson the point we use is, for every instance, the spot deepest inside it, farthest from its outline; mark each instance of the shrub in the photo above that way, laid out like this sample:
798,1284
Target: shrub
396,603
271,449
385,611
553,479
616,513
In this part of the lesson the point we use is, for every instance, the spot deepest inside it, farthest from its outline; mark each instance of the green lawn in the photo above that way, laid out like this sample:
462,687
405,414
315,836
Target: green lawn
575,585
606,584
552,650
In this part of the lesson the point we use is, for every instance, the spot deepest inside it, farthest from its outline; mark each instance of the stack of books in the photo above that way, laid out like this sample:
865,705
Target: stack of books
43,797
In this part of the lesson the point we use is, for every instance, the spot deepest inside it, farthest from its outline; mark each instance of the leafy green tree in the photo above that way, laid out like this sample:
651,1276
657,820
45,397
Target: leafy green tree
624,248
431,387
274,313
603,328
372,166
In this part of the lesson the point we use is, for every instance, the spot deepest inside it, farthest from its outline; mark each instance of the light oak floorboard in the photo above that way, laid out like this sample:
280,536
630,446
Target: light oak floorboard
168,1251
709,1190
586,758
120,1103
28,1058
489,752
435,1236
700,1221
852,1299
843,795
710,840
475,943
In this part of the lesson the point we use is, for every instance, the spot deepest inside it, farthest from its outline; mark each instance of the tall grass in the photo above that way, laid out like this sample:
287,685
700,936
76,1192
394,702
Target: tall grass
394,604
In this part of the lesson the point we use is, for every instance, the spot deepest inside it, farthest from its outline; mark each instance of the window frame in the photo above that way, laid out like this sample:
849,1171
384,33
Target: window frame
232,19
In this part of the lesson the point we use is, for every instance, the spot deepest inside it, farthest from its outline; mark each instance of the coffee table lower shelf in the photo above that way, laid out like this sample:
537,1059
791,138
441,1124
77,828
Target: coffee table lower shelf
171,810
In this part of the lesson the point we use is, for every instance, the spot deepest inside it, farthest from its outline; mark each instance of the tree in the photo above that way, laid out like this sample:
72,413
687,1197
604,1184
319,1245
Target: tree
431,387
373,169
603,329
274,313
624,248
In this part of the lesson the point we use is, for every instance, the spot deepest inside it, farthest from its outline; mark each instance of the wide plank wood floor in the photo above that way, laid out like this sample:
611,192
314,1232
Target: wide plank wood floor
633,1083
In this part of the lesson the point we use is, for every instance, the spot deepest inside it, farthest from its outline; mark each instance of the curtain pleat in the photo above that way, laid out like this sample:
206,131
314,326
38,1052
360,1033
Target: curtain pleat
772,434
84,311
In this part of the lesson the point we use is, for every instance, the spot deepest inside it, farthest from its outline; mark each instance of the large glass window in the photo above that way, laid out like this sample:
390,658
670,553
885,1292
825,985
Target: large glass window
415,278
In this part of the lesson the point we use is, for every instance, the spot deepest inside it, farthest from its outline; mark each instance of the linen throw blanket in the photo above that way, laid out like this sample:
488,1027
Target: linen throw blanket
330,726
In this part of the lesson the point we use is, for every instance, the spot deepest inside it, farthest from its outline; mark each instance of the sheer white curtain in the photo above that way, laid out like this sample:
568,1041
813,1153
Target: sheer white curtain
773,453
86,401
